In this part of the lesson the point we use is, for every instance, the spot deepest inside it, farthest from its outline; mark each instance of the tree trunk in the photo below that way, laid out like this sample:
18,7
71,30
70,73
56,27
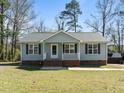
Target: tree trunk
6,47
2,32
122,39
119,36
103,27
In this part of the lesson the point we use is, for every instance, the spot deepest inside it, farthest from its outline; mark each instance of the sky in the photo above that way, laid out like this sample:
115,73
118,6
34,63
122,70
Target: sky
47,10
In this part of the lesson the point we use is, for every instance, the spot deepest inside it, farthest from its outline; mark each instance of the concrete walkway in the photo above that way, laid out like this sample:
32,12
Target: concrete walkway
94,69
80,68
53,68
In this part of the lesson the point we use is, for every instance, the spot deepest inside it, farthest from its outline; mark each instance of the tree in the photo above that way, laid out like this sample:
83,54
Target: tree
41,27
60,23
105,15
3,7
21,15
71,14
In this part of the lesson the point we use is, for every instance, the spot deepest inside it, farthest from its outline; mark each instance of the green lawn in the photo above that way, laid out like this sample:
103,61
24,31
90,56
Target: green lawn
29,79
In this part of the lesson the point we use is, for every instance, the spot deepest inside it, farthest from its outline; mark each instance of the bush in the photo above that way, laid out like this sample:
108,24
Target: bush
122,54
8,56
17,55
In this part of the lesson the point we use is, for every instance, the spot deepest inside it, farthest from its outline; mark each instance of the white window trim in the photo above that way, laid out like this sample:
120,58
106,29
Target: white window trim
69,48
92,49
33,49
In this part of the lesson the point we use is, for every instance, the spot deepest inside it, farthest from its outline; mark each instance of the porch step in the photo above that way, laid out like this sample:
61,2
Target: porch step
53,68
52,63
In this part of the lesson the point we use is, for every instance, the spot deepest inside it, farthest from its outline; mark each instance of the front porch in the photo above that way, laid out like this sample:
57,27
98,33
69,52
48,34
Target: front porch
61,51
61,54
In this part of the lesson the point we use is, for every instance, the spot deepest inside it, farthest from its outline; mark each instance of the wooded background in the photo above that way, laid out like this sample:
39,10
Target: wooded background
16,16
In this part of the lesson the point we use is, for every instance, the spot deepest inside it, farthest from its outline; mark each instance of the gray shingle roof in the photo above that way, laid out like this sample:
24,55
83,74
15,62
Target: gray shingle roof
82,36
89,36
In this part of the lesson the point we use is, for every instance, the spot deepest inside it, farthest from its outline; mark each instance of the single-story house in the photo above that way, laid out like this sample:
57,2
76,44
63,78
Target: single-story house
64,48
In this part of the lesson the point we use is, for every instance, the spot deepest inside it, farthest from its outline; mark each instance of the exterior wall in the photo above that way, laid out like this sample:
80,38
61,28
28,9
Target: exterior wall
90,57
73,56
70,63
61,63
93,62
83,56
61,37
30,57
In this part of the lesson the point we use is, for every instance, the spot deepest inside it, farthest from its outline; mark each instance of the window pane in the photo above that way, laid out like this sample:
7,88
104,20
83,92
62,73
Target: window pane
66,48
30,46
90,51
54,50
35,49
72,48
30,49
90,45
95,48
89,48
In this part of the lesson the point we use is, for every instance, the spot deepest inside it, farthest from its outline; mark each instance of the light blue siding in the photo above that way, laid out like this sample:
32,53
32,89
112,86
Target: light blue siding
101,56
30,57
47,50
73,56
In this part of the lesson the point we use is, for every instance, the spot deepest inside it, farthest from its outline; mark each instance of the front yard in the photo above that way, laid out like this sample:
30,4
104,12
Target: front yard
29,79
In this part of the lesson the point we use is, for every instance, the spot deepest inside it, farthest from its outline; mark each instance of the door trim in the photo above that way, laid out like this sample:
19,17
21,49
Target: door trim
54,56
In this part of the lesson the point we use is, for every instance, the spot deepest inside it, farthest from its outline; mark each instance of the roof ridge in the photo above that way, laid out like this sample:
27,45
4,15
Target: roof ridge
65,32
42,32
83,32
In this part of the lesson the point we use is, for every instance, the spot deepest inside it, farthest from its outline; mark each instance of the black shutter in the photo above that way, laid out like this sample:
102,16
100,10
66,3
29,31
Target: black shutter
98,48
39,48
26,48
75,48
63,48
85,48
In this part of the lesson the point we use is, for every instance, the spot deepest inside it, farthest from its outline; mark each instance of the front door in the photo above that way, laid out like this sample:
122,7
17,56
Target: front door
54,51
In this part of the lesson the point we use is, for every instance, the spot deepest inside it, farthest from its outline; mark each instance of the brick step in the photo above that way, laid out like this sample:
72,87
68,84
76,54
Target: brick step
52,63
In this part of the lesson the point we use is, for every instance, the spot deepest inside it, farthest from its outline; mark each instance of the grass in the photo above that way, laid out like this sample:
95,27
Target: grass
113,66
29,79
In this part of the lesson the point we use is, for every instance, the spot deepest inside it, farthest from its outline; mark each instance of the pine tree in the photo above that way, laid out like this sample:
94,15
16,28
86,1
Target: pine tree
71,14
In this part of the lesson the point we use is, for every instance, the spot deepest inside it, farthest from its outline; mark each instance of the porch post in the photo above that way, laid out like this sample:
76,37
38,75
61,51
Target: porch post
43,51
79,51
106,53
62,50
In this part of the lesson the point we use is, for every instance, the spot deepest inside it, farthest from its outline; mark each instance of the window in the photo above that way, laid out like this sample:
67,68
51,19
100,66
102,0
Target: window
33,49
66,48
92,48
95,48
89,48
69,48
72,48
30,49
